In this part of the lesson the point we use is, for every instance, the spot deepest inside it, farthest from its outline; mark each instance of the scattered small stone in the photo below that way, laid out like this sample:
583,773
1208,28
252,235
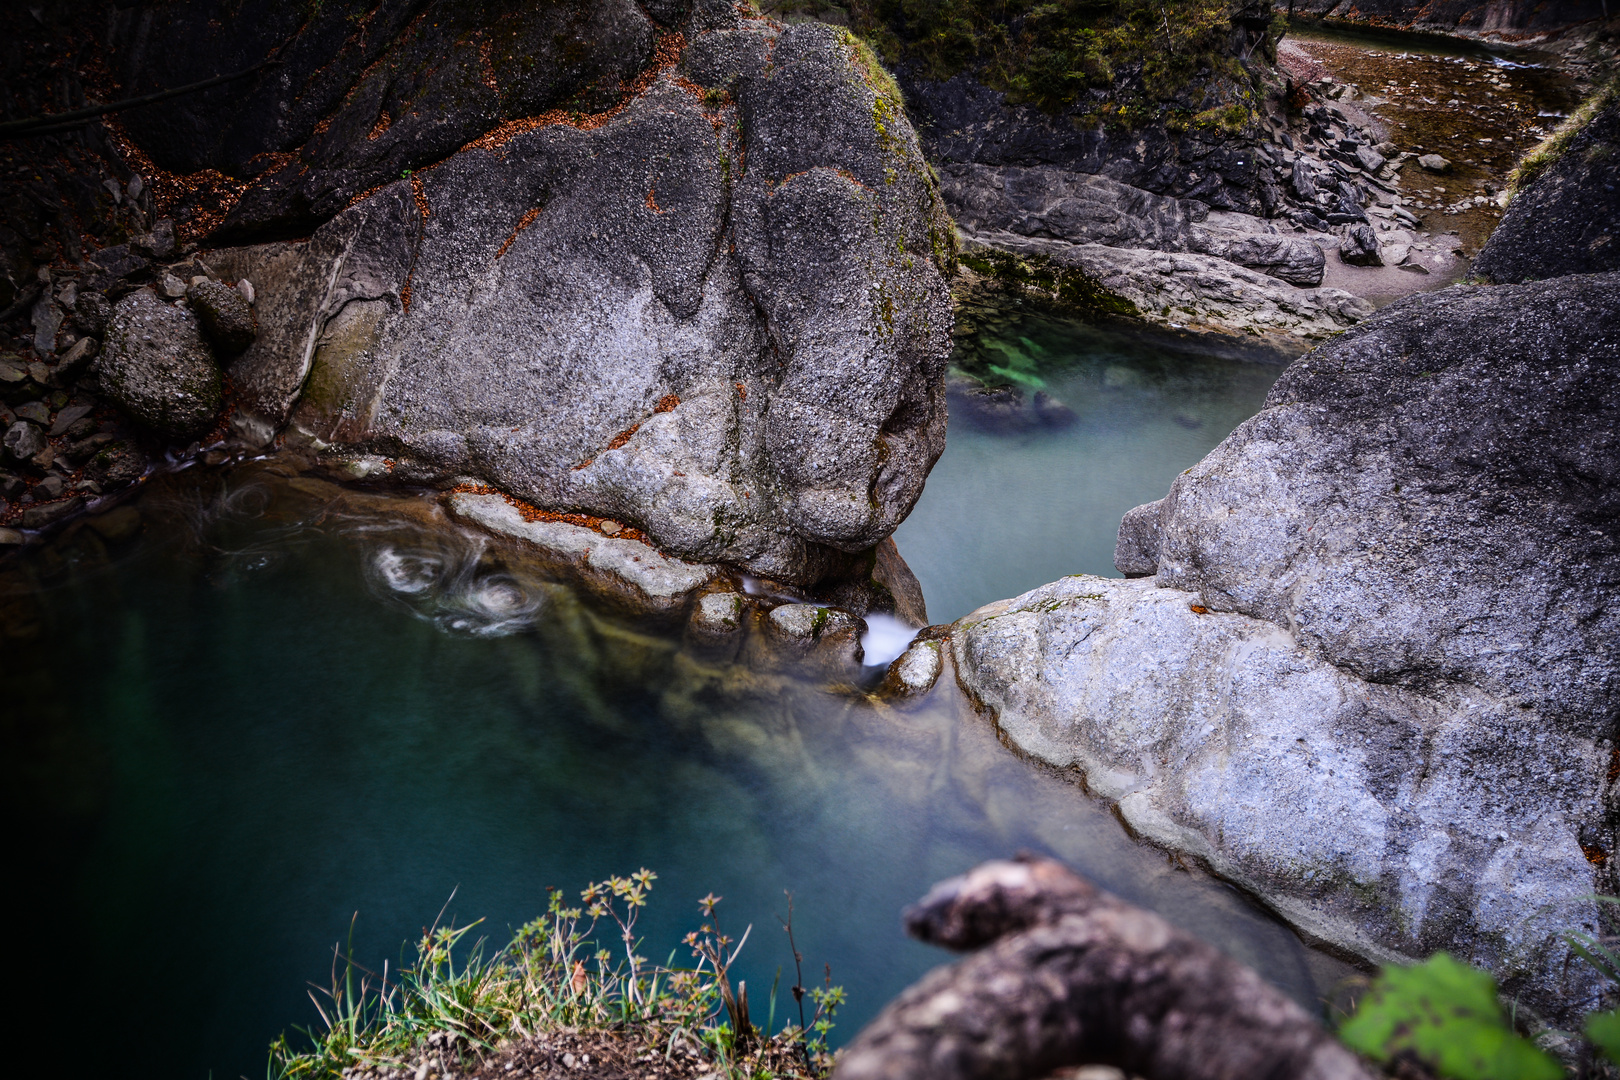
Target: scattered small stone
91,313
171,287
1434,163
245,287
23,440
49,488
67,418
611,528
35,411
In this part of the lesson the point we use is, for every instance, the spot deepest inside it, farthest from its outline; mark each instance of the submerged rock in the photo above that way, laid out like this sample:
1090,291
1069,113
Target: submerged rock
743,356
156,366
1373,678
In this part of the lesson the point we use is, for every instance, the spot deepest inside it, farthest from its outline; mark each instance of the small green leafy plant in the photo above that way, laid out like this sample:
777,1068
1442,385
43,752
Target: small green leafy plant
1444,1015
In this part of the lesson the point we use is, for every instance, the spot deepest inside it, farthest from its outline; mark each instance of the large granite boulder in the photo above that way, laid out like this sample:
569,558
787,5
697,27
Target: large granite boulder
1566,220
1374,677
716,312
157,367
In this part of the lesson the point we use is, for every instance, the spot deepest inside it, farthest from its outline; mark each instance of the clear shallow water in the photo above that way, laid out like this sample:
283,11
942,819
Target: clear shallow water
1005,512
267,713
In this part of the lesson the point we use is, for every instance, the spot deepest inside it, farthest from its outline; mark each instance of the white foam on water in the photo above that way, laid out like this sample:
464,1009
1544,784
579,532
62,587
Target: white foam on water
886,637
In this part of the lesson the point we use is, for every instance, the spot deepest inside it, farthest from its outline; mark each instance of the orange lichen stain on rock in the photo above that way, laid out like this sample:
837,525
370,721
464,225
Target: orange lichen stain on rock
487,69
742,391
1198,609
652,203
665,55
384,122
530,512
1614,764
1594,854
523,223
624,436
667,403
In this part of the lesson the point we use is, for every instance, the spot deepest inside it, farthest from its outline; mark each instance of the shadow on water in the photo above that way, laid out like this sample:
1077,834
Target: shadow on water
274,708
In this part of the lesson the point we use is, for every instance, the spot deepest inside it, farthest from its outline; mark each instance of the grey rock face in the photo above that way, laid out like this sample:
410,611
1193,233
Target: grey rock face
1388,822
1567,220
224,314
1374,676
1432,499
726,328
1082,208
156,366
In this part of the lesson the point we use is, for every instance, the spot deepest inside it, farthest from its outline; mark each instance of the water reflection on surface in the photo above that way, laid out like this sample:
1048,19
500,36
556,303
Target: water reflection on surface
275,708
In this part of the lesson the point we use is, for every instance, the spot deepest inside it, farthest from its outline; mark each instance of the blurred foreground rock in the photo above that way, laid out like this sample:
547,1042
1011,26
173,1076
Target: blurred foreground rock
1067,975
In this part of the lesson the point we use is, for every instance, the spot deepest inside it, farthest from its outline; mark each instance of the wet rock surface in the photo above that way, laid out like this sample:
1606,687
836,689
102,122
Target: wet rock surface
1388,595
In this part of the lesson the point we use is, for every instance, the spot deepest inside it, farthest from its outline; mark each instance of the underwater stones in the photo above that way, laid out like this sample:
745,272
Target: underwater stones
1433,163
1385,821
617,566
796,313
224,314
156,366
716,624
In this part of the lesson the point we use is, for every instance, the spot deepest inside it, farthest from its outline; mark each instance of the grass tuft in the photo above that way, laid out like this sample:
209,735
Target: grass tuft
459,1000
1540,159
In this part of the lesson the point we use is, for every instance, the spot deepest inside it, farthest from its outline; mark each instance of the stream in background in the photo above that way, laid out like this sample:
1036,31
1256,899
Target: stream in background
231,733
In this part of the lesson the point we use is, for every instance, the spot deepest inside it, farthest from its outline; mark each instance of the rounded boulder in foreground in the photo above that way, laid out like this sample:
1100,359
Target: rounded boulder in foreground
157,368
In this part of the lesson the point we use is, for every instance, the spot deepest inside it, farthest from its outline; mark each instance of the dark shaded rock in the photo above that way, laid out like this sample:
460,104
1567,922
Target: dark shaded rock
119,261
90,313
77,359
157,368
23,440
1069,975
1566,220
118,524
116,463
37,517
1359,246
1051,412
225,316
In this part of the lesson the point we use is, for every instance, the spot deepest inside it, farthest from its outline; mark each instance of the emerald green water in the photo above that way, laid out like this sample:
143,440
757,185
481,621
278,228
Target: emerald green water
227,735
1007,511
